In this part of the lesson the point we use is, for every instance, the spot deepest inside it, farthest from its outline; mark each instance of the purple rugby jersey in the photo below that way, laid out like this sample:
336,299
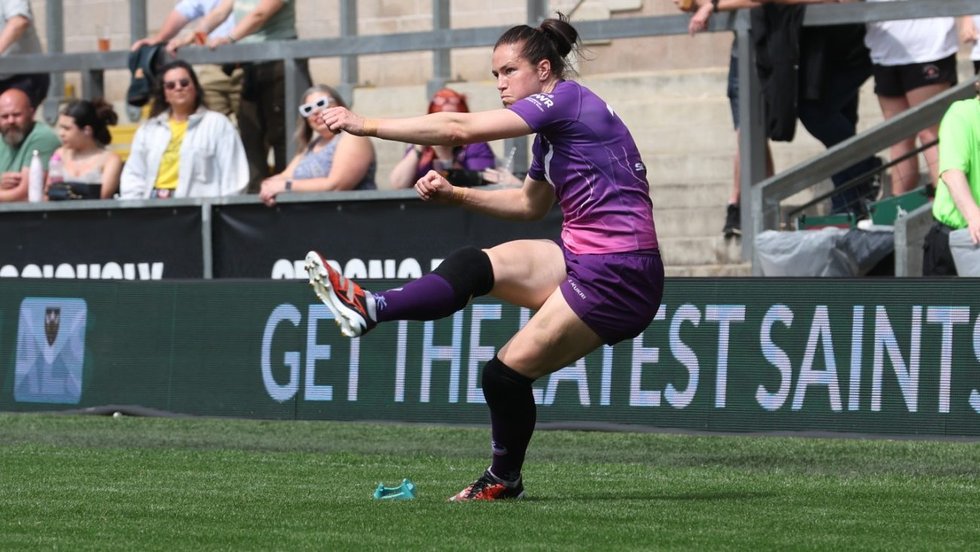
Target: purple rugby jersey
587,154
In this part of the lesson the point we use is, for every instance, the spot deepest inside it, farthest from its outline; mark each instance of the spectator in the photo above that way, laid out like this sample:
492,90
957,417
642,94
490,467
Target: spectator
90,171
419,160
222,84
19,37
969,24
21,136
955,205
914,60
826,67
261,111
733,213
184,149
324,161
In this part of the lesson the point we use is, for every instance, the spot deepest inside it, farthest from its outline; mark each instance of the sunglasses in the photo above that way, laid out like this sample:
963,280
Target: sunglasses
307,109
170,85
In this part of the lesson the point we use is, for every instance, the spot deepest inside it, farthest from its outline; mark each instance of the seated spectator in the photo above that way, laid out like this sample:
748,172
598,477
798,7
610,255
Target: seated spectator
419,160
89,169
18,36
955,206
324,161
184,149
21,136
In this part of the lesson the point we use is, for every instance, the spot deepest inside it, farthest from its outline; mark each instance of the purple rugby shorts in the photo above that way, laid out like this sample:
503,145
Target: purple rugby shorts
615,294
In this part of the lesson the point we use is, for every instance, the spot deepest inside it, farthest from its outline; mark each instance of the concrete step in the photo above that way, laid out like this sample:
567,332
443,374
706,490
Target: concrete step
687,167
670,195
709,271
690,222
679,251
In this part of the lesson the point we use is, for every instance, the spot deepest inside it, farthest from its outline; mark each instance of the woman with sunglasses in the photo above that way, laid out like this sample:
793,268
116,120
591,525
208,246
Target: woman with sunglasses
601,285
325,161
419,160
184,149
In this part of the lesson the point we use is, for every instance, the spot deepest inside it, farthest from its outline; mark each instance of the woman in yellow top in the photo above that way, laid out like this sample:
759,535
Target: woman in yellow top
184,149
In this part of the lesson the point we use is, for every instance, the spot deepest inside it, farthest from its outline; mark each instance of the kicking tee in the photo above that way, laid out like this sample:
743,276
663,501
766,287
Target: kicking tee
587,154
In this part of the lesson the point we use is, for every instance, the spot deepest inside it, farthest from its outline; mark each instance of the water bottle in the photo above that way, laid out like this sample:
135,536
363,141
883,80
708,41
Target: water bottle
35,178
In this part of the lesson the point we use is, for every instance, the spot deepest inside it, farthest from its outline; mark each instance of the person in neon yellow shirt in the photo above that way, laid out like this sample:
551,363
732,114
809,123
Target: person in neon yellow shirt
957,203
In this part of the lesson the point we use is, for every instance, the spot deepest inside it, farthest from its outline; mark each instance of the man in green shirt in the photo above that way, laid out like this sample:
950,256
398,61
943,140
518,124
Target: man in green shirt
21,136
957,203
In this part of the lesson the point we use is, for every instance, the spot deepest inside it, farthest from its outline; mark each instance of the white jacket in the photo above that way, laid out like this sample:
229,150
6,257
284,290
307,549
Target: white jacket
212,159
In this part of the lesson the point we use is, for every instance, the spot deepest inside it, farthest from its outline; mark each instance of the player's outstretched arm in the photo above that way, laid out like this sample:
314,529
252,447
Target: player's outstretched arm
445,128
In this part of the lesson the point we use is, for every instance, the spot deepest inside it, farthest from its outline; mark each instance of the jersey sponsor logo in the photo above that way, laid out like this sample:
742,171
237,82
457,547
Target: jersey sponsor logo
542,101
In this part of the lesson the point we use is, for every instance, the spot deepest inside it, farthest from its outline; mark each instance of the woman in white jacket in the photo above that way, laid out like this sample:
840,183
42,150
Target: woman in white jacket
183,149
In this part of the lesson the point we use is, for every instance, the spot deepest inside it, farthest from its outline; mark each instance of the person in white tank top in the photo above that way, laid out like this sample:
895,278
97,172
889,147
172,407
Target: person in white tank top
914,59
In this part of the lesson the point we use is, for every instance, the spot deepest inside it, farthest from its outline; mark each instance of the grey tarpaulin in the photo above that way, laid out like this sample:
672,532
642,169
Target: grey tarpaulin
966,255
829,251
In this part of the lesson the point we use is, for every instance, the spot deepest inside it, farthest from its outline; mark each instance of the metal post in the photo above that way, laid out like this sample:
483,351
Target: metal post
55,30
137,20
295,81
441,59
752,132
93,85
348,64
537,11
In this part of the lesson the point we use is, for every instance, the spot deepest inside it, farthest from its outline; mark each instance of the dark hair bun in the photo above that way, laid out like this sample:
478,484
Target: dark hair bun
561,33
104,112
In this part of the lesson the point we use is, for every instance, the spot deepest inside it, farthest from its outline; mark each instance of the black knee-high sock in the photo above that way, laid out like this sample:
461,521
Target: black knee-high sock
512,417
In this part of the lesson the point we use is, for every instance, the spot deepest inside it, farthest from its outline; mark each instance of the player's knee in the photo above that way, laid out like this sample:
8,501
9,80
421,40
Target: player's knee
499,381
469,272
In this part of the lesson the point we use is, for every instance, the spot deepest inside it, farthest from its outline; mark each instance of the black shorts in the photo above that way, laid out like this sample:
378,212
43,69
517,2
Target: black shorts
896,80
937,259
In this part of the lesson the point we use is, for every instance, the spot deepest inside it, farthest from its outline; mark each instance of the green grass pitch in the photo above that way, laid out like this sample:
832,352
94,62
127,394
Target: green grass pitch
103,483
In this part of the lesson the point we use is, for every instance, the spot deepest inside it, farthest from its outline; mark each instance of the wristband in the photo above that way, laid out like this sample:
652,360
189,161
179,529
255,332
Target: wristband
370,127
289,185
459,194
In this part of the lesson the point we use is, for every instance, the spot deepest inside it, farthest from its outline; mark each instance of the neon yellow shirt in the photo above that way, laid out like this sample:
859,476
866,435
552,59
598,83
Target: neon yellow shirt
959,148
170,162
